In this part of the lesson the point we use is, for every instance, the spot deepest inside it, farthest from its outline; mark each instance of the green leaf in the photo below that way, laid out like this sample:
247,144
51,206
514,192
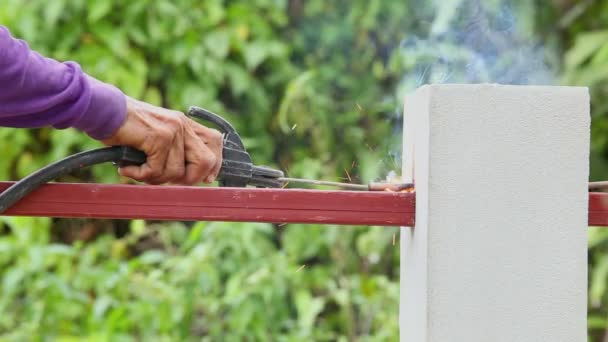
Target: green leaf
308,309
255,53
587,76
597,322
238,77
446,11
599,282
152,257
194,236
295,90
138,227
153,96
585,46
53,10
596,236
218,43
12,280
98,9
114,38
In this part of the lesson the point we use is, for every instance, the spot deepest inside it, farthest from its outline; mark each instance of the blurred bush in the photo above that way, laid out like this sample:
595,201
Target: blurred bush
313,87
295,80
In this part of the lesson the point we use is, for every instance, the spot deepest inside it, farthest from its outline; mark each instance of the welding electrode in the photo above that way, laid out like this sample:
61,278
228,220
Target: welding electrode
396,187
598,186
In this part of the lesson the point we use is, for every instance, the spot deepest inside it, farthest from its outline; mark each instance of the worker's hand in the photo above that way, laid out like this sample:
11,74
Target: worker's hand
179,150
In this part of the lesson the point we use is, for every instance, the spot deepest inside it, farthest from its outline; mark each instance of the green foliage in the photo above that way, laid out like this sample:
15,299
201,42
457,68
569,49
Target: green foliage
314,88
264,66
220,281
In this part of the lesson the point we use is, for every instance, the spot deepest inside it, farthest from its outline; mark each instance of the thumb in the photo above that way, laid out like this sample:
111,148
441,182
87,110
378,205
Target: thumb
133,172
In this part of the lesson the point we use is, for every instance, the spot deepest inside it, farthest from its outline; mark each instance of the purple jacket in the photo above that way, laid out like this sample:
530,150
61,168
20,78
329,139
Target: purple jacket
37,92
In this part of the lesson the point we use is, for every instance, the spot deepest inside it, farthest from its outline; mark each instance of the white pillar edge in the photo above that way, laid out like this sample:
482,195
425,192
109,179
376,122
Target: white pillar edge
499,249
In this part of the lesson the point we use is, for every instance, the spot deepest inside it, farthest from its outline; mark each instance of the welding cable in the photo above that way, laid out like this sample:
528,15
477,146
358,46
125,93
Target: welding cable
120,155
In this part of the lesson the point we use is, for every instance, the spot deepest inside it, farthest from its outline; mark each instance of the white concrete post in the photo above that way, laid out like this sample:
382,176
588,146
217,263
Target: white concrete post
499,250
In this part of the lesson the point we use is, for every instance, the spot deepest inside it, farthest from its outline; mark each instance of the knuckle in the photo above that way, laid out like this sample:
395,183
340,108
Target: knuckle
144,176
165,134
154,173
176,121
216,135
174,117
209,160
176,173
190,180
193,175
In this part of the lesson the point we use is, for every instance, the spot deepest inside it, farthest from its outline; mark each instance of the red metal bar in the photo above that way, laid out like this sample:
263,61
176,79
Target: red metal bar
217,204
235,204
598,209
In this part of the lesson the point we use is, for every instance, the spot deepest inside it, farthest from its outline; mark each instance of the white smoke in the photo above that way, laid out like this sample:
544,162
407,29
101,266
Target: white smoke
475,41
471,41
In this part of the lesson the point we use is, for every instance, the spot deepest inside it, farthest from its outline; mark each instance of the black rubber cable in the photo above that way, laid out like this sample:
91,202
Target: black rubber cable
120,155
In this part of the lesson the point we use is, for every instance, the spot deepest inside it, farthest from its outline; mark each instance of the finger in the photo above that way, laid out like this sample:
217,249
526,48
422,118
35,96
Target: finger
152,170
175,164
129,171
199,160
213,139
212,162
217,149
215,170
135,172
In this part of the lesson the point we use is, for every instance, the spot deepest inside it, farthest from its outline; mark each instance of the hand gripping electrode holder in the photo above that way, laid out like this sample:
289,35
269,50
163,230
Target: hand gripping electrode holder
237,167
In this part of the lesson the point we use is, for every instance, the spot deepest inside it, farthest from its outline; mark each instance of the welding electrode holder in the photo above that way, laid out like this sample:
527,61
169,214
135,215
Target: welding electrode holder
237,166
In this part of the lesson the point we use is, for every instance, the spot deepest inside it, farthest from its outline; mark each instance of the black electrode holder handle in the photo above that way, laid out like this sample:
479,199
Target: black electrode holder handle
237,167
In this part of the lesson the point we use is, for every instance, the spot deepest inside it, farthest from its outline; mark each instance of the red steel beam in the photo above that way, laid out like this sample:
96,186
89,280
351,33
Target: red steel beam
235,204
217,204
598,209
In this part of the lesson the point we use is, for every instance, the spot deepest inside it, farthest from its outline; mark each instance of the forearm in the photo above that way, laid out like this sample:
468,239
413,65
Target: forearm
37,92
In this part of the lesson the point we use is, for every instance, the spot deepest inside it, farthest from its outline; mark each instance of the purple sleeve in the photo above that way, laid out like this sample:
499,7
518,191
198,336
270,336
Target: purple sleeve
37,92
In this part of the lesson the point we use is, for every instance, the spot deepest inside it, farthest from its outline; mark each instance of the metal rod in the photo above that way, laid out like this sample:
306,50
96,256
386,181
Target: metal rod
598,186
394,187
319,182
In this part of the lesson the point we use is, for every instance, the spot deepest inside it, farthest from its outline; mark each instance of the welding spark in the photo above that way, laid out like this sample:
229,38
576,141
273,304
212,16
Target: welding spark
447,76
422,77
394,160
